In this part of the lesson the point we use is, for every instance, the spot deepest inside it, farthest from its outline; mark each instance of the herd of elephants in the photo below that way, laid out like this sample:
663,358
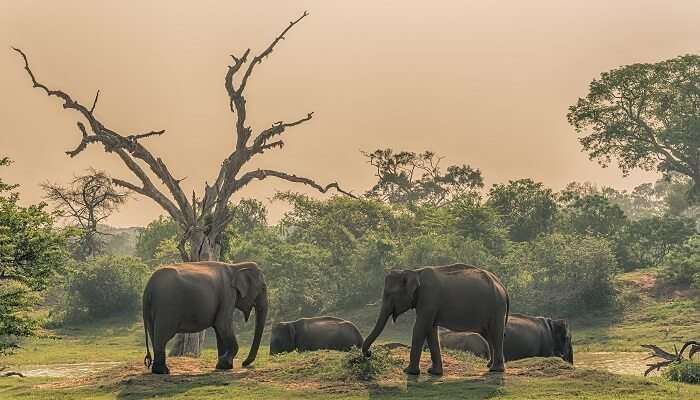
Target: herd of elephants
471,303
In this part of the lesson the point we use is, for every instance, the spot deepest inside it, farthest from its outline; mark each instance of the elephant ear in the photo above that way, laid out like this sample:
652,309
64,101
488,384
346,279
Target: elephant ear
243,281
412,282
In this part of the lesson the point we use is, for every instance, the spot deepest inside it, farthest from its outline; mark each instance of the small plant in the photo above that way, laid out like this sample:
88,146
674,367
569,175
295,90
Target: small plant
686,371
369,368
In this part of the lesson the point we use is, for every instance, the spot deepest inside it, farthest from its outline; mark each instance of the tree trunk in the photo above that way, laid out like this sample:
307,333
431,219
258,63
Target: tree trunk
190,344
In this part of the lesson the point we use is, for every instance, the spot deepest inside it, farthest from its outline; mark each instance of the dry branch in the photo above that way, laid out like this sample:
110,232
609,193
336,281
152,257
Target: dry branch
669,358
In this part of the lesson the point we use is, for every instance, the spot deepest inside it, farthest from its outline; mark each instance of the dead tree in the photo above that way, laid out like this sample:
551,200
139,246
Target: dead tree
201,219
86,202
669,358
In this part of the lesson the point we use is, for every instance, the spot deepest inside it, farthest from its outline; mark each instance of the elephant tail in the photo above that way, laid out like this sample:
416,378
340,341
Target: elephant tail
147,323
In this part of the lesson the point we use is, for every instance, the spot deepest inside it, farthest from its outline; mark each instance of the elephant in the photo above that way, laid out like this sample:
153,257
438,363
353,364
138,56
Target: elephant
468,341
459,297
317,333
190,297
526,336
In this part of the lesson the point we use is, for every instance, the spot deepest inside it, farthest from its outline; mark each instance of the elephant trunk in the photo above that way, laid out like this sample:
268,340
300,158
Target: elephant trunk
260,318
378,328
569,355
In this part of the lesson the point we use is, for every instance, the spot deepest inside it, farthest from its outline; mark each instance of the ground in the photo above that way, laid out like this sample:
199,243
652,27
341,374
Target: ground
104,361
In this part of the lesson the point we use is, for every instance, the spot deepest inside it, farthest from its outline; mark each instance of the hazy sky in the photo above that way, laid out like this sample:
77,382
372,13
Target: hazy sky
480,83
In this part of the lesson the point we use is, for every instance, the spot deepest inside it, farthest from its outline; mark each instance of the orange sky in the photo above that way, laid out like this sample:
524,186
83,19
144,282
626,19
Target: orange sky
483,84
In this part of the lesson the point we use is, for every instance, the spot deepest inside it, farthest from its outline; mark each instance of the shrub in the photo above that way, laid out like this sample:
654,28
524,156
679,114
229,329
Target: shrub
103,287
683,264
685,371
559,274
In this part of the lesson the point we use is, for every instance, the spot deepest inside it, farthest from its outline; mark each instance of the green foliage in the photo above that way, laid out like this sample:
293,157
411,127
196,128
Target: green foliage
526,207
103,287
686,371
682,265
359,367
412,179
559,274
151,237
644,116
647,241
591,214
32,252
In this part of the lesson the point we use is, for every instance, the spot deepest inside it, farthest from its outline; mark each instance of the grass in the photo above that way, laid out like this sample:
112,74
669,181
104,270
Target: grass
647,314
642,318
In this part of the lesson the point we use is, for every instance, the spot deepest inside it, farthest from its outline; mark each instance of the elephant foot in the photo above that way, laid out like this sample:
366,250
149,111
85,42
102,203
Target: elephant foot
497,368
412,370
160,369
224,364
247,362
435,371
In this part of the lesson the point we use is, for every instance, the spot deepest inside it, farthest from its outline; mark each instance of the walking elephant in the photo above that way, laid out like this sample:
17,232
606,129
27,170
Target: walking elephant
526,336
190,297
318,333
458,297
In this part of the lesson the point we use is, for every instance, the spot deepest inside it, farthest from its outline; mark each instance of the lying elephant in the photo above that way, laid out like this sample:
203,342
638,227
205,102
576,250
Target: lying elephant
458,297
190,297
526,336
317,333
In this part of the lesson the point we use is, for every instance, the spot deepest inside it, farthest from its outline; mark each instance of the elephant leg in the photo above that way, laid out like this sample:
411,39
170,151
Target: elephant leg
164,331
495,341
435,355
226,343
421,329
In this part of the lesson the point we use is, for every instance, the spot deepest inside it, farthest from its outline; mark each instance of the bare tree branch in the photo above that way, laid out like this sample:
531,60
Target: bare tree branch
258,59
261,174
94,102
277,128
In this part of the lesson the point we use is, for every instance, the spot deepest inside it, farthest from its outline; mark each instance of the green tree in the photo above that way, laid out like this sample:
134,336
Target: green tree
410,178
644,116
526,207
32,252
647,241
158,230
591,214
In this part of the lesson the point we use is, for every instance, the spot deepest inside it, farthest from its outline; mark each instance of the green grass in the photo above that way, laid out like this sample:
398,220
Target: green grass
642,318
653,316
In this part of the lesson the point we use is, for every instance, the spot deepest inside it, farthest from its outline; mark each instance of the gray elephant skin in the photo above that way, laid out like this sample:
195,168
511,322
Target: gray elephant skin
526,336
458,297
190,297
318,333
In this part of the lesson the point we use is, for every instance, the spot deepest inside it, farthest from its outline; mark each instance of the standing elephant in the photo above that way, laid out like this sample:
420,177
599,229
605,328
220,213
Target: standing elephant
308,334
458,297
526,336
190,297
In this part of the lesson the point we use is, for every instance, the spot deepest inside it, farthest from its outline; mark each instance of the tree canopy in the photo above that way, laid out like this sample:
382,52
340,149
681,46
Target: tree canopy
644,116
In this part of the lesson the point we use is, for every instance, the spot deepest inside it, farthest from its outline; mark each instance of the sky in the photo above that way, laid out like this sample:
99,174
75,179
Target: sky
482,83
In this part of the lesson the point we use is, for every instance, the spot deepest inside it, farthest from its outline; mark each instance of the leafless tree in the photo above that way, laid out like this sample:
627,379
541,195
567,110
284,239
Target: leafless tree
86,202
201,219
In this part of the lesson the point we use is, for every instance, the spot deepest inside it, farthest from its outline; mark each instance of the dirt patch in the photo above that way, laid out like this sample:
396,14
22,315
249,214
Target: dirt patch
65,370
626,363
182,370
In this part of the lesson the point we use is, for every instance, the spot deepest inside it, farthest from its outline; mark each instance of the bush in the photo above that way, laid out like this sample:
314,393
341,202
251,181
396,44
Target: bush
363,368
685,371
103,287
559,274
682,265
